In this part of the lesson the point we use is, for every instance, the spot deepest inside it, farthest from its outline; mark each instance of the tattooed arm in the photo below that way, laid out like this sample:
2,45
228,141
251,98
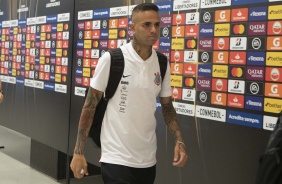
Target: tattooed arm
170,117
78,164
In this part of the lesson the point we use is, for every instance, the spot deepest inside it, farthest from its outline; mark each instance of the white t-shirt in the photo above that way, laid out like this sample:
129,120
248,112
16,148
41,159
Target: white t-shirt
128,131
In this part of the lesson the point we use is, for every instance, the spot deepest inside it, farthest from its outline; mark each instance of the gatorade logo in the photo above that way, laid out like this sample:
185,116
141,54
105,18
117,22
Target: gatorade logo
274,43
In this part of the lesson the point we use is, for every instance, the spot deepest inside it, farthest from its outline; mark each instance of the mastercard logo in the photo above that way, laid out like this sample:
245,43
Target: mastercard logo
276,28
191,44
189,82
66,27
95,44
274,74
121,33
236,72
64,78
239,29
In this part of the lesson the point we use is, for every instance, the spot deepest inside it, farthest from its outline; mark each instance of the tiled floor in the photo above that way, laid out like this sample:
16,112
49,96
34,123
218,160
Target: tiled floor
14,163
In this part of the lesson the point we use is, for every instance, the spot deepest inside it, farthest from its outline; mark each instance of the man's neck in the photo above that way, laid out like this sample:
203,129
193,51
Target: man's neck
143,51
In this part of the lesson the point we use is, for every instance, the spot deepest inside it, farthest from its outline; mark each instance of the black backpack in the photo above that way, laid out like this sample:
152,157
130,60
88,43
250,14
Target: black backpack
116,71
270,163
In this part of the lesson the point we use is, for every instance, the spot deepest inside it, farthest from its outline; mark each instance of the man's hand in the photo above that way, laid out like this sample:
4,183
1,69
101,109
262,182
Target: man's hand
1,97
79,166
180,155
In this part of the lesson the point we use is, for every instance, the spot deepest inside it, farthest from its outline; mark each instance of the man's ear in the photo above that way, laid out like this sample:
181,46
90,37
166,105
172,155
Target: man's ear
132,27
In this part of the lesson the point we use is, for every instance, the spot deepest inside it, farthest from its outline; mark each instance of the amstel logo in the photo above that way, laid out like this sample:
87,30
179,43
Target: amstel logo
274,27
176,93
177,56
221,43
219,85
178,19
273,74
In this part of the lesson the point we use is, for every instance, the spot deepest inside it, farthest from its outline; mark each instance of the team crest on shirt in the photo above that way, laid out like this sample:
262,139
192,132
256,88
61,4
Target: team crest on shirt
157,78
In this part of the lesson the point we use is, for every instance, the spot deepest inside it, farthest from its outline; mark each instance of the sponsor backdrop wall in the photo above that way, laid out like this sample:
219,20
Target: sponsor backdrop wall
225,59
35,68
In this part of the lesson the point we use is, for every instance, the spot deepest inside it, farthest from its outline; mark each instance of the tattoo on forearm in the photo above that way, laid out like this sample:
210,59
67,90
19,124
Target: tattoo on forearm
92,99
170,118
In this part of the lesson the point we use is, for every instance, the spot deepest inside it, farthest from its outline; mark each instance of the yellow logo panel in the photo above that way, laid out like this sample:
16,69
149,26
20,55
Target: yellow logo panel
27,66
176,80
87,44
58,78
221,29
177,44
27,44
113,34
273,59
60,27
86,72
15,51
15,30
220,71
14,72
59,52
42,60
272,105
43,36
274,12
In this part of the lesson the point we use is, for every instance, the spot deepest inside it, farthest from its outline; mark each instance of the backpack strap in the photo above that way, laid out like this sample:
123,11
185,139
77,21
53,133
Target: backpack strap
116,71
163,64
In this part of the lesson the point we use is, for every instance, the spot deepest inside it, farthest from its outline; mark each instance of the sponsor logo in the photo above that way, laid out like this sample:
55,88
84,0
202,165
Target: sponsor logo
177,31
211,113
164,43
176,93
257,13
254,88
237,72
269,122
235,100
273,90
205,57
206,30
220,71
256,43
238,29
257,28
189,82
122,23
184,109
274,12
176,68
207,17
178,19
273,59
218,98
165,6
221,29
192,18
205,70
222,16
219,85
176,80
256,58
221,43
189,95
203,83
237,58
166,20
176,43
220,57
191,31
210,4
185,5
254,103
245,119
236,86
255,73
190,69
203,97
190,56
274,28
238,43
272,105
239,15
205,43
177,56
191,43
273,74
274,43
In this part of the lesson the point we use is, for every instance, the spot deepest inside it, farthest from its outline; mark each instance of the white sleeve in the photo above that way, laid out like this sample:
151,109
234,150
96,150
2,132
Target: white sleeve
101,74
166,87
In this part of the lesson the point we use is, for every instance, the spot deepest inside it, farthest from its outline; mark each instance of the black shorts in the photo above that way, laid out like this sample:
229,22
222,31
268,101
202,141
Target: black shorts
119,174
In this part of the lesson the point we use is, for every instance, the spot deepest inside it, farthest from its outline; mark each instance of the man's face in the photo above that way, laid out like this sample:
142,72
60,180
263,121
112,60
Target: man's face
146,27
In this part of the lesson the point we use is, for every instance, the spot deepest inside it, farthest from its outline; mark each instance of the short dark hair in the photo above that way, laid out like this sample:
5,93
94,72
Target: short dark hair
145,7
